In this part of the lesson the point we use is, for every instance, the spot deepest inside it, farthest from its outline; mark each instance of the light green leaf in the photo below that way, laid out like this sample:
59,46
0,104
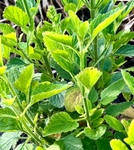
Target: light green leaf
111,92
4,89
60,122
9,139
78,3
46,90
2,70
102,21
24,80
115,110
8,102
114,123
6,52
64,40
75,21
126,50
95,133
54,147
88,77
118,145
70,6
83,29
9,40
16,15
6,28
79,109
129,80
72,143
97,114
130,139
26,147
63,59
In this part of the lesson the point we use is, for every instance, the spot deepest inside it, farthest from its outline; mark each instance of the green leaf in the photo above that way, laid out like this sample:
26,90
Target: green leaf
15,62
9,139
24,80
115,110
79,109
129,80
6,28
46,89
126,50
58,100
130,139
114,123
46,107
124,39
118,145
102,21
1,59
26,147
31,4
72,143
88,77
103,144
4,89
108,64
62,58
70,6
60,122
54,147
7,123
61,72
93,95
111,92
89,144
16,15
97,114
95,133
78,3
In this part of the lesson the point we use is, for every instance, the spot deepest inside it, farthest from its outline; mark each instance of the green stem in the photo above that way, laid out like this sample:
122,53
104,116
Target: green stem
27,9
95,41
20,106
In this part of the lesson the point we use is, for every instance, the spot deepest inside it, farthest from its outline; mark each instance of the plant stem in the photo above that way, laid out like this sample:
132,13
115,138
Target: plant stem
95,41
27,9
82,62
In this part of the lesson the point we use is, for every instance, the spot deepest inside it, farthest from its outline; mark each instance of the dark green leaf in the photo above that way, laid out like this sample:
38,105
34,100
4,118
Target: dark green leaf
93,95
108,64
115,110
103,144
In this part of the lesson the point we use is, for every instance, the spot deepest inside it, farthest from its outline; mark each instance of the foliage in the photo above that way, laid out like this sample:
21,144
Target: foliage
73,109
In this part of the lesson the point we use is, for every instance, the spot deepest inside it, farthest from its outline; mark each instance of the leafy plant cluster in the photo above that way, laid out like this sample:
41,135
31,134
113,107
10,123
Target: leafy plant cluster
53,113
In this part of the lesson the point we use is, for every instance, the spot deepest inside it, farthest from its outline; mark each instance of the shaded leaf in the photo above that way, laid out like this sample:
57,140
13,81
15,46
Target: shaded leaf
103,144
9,139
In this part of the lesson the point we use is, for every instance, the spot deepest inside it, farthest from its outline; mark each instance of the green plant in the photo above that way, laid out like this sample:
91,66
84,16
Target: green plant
34,103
